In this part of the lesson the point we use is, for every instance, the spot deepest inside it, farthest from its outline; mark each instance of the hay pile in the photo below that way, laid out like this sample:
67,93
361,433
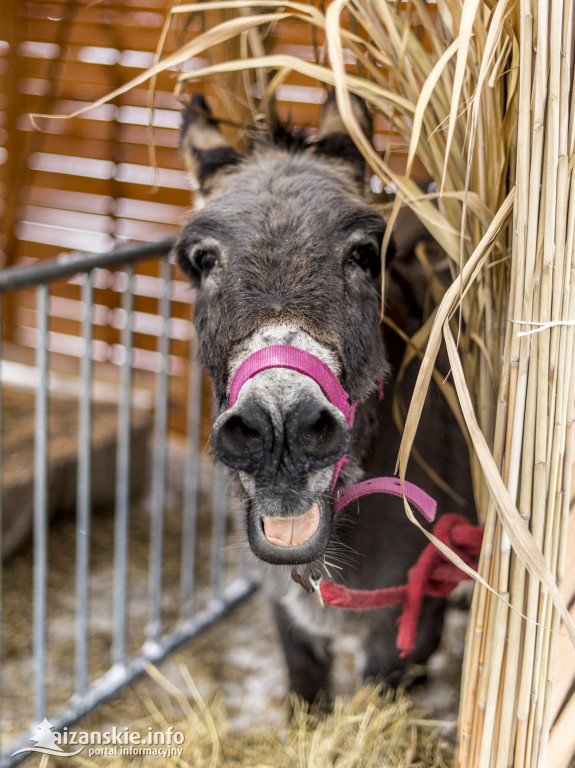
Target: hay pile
367,731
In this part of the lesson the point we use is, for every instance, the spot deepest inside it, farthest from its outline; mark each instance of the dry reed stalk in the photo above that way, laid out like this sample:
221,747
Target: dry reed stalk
486,104
537,395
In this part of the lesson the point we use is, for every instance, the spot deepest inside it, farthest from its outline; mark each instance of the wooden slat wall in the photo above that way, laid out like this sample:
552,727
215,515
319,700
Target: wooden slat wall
86,183
75,178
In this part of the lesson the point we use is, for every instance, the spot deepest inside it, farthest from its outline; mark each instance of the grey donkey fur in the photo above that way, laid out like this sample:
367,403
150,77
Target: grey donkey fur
285,249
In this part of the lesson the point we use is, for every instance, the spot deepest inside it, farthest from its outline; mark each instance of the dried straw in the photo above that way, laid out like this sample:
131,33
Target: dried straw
503,169
365,731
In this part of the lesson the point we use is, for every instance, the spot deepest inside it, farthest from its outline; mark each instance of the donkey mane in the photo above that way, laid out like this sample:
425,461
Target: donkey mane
297,140
209,152
285,136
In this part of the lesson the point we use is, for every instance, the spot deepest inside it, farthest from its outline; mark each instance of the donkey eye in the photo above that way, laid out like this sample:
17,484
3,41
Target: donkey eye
205,260
365,256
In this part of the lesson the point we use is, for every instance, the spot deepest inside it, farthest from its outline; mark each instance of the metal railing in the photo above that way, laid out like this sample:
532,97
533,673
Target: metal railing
158,640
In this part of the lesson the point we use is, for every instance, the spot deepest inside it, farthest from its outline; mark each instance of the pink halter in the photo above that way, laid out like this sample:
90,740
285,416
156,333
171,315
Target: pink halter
432,574
285,356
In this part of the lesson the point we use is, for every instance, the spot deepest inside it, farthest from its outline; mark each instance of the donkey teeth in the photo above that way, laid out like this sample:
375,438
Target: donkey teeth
291,531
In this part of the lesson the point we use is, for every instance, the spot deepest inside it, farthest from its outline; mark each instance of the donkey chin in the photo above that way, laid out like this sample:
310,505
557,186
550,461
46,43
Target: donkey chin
284,438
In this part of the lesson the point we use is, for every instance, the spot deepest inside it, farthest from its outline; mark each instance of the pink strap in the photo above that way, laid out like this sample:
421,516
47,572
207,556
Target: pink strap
392,485
284,356
337,470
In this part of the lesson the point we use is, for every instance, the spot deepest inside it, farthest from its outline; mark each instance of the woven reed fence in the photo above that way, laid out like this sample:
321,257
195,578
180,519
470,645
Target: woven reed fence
479,95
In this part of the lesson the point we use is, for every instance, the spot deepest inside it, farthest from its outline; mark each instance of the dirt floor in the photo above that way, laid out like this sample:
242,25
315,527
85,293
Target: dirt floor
239,679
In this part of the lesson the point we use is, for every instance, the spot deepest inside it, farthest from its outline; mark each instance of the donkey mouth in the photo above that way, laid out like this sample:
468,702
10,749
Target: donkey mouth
292,531
289,540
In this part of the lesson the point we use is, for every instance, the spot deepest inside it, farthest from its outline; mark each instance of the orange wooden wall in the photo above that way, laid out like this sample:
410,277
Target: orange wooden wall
86,183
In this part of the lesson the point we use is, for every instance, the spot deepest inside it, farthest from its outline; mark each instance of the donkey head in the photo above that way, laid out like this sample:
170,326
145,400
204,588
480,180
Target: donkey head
285,250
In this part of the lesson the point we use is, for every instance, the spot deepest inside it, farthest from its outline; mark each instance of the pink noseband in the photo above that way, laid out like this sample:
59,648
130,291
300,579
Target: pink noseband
283,356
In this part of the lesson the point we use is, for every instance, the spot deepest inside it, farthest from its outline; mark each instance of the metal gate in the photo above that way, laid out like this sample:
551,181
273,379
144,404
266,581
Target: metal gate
197,605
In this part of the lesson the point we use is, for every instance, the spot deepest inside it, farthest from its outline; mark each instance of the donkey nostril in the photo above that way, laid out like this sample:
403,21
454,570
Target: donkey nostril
239,431
238,438
320,427
324,436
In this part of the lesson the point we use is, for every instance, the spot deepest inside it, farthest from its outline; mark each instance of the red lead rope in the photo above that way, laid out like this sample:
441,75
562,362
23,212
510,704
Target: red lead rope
433,574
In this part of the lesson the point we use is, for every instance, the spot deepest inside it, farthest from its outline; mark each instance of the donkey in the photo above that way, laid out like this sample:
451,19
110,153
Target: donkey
285,252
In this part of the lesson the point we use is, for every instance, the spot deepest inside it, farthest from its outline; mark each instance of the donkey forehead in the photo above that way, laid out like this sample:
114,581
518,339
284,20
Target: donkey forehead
275,170
276,194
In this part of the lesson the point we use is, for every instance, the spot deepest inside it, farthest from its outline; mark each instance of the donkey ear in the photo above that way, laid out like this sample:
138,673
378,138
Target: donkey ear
203,147
334,141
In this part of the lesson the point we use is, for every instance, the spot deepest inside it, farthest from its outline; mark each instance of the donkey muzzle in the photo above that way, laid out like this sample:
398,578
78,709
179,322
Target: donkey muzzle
287,440
258,439
282,457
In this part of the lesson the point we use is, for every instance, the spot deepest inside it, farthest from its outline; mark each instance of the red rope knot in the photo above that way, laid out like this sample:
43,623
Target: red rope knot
433,574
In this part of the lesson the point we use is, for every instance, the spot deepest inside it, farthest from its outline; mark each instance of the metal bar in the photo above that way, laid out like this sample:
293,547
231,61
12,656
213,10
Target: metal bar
220,509
190,511
84,493
154,627
41,501
112,681
123,463
70,264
